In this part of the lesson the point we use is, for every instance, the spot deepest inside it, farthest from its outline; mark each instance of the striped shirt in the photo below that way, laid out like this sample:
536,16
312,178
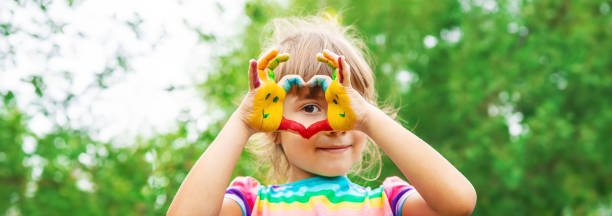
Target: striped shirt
319,196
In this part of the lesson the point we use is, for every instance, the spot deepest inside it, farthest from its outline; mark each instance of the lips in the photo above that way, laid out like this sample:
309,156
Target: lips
299,128
334,148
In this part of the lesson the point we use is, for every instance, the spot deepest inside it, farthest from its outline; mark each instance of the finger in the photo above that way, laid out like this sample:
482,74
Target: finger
263,63
319,80
344,71
322,58
331,57
253,79
276,61
290,80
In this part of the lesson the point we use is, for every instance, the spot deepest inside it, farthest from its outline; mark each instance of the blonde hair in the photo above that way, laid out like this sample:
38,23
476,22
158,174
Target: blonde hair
302,38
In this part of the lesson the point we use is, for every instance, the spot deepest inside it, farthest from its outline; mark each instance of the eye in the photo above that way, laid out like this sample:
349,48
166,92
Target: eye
311,108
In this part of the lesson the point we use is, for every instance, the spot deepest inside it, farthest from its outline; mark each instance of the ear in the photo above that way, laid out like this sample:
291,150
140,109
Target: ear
276,137
273,136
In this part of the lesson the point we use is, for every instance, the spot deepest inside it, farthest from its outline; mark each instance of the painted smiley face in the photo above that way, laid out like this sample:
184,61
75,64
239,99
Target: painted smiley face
339,112
267,114
267,107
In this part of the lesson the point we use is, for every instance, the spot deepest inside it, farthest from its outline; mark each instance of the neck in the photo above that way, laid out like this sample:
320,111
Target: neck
296,174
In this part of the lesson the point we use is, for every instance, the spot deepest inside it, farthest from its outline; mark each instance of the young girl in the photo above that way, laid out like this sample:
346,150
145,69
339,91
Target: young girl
307,152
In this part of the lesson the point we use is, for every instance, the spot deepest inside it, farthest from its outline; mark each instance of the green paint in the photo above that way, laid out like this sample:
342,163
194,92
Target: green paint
342,114
334,73
264,115
271,74
273,64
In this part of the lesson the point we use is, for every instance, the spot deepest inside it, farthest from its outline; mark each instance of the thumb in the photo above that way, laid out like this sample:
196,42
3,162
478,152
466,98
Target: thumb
253,78
344,71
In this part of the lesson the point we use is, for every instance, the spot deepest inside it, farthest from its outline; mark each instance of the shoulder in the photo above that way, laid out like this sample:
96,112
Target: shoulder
243,191
245,187
397,191
244,182
394,184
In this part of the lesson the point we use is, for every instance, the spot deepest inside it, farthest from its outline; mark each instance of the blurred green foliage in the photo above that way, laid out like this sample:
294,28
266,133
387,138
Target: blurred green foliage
518,99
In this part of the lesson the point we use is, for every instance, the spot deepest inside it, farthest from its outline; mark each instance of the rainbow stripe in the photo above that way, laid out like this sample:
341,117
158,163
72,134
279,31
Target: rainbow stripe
321,196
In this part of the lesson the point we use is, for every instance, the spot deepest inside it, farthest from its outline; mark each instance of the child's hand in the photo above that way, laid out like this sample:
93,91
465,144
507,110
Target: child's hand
346,108
262,107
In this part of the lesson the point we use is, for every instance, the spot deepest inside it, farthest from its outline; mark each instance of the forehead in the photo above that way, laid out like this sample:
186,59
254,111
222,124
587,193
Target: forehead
306,93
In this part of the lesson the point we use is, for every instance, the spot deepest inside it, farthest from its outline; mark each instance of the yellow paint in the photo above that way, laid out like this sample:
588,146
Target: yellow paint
267,105
340,115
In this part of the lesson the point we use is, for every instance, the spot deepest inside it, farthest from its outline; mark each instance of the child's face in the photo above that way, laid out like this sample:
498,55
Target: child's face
327,153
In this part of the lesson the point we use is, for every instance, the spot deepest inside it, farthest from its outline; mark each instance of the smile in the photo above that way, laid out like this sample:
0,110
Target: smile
335,149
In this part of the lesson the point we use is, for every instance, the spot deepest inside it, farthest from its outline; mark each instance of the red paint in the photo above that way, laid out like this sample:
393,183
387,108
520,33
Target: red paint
340,69
291,125
253,74
297,127
315,128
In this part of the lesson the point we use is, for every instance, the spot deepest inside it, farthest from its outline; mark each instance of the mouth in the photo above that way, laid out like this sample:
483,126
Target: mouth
335,149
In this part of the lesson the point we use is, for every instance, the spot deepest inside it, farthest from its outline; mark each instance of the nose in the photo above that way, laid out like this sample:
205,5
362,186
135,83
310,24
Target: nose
335,133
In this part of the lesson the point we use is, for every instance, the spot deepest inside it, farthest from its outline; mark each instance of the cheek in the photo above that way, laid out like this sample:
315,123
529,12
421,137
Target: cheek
304,118
360,140
294,145
302,154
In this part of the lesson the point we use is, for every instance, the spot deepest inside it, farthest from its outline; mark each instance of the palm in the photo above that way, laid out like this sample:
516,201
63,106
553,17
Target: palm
359,106
263,105
345,106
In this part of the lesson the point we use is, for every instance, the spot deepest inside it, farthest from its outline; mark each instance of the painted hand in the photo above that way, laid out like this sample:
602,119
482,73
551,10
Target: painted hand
263,104
345,106
266,112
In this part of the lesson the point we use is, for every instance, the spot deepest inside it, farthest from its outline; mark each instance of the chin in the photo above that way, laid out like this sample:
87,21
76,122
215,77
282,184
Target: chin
331,171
